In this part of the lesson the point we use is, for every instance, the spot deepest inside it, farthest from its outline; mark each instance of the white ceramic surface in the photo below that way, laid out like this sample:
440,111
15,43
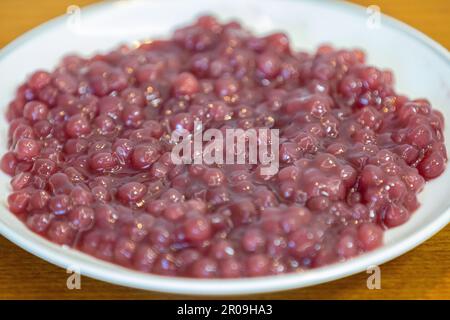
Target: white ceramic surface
421,67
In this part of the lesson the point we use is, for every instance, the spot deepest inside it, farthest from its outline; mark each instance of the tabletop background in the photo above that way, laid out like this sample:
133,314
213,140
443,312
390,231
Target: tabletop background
423,273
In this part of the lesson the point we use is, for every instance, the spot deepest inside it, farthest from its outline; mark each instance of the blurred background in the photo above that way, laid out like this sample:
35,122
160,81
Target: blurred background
429,16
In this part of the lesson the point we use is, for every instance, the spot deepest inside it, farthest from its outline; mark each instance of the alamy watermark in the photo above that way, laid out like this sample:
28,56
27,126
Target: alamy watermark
374,280
234,146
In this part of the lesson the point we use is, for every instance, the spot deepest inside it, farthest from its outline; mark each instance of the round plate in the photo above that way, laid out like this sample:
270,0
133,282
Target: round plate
421,67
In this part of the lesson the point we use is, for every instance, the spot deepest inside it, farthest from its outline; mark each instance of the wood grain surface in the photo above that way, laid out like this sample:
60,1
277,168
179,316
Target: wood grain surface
423,273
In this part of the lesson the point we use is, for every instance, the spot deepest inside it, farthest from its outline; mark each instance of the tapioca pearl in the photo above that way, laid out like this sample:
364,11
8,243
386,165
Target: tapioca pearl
370,118
290,173
42,128
318,203
410,202
137,229
440,148
276,245
156,207
110,106
160,237
147,72
122,149
325,256
98,146
294,218
78,126
287,190
133,96
27,149
22,131
219,111
144,257
371,175
395,215
52,154
15,123
100,193
165,265
204,268
350,86
419,136
44,167
278,42
155,128
182,122
331,187
323,70
80,196
59,183
174,212
253,240
18,201
123,251
213,177
196,170
437,120
365,136
270,221
159,170
413,180
61,232
39,199
172,195
222,249
289,152
81,218
74,175
370,236
102,161
307,142
105,124
199,64
35,111
105,216
9,163
360,212
131,192
185,258
74,146
226,87
407,152
48,95
144,155
197,229
432,165
257,265
185,84
39,80
268,64
101,245
21,180
39,222
65,83
349,175
59,204
242,212
231,268
264,198
132,116
347,246
370,76
301,243
316,105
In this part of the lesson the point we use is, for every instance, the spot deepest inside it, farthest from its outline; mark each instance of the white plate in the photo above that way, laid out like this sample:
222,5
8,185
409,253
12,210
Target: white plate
421,67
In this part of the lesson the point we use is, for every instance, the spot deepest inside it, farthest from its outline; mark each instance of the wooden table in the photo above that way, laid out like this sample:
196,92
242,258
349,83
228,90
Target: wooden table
423,273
